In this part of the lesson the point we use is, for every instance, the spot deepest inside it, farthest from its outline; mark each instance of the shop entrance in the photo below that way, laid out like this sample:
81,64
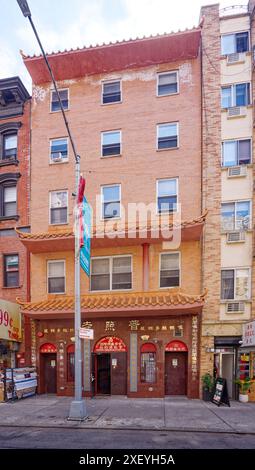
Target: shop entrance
176,360
224,366
110,367
48,362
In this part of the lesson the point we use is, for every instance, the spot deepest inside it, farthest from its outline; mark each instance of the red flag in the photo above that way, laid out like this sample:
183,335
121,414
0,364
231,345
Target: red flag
81,190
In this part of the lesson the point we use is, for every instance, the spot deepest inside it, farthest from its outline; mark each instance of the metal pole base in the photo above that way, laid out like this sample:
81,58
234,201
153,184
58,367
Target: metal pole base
77,411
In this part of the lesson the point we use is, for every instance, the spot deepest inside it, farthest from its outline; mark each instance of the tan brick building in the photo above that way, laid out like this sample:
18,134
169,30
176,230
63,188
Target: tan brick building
14,199
135,112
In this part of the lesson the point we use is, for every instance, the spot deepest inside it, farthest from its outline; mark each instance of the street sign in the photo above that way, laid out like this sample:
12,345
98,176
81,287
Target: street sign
86,333
86,225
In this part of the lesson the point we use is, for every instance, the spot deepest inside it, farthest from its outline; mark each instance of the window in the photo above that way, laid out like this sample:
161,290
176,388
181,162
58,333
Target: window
148,363
169,269
236,152
70,363
11,270
56,277
10,142
235,95
110,201
235,284
111,273
232,43
178,331
236,215
9,201
167,83
167,195
167,135
58,207
111,143
111,92
58,150
55,106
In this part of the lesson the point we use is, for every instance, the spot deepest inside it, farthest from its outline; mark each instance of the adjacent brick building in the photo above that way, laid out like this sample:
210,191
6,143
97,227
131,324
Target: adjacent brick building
135,112
14,197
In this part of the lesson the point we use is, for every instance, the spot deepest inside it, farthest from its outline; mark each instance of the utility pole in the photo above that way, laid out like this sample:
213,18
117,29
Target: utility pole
78,406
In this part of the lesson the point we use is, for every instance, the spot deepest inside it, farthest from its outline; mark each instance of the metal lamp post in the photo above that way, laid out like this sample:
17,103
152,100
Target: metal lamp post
78,406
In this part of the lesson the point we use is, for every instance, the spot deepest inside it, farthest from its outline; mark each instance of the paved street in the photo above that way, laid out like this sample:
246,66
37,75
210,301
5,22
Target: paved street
48,438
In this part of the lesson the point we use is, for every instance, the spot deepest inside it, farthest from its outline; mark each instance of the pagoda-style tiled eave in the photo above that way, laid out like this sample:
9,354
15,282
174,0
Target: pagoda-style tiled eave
122,236
98,305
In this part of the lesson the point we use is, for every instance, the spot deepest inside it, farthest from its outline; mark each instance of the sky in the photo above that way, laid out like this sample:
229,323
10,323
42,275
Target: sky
65,24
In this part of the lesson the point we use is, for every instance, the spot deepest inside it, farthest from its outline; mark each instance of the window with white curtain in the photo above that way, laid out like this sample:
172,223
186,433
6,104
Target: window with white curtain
56,277
235,284
167,83
169,270
58,207
111,273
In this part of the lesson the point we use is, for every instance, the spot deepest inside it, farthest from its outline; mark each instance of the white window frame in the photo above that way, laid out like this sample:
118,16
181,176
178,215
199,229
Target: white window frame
102,139
59,191
102,91
232,86
67,158
167,73
177,195
51,261
68,97
235,140
178,136
110,266
249,283
234,34
235,212
102,206
180,274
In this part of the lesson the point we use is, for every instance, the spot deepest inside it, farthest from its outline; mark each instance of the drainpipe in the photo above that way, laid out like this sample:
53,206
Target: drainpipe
146,247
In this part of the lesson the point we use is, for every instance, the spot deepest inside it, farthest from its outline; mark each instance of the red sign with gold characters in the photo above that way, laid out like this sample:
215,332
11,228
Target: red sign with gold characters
48,348
110,344
176,346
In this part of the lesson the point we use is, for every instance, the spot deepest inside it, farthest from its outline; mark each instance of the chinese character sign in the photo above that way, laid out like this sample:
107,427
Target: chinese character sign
85,249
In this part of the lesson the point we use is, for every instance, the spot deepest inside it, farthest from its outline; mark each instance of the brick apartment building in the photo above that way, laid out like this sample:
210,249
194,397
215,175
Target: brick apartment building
129,106
14,201
228,179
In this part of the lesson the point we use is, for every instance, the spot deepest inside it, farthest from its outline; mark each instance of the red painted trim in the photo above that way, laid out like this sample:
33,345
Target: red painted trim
70,348
146,266
148,347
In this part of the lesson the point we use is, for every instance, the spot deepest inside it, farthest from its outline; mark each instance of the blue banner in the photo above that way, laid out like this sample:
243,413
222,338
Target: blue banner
85,249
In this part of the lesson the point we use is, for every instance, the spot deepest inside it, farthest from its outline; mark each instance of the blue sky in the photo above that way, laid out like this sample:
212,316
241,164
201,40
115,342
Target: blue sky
64,24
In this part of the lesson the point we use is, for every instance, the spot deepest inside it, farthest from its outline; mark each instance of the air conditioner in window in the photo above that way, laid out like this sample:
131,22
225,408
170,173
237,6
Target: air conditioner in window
235,57
235,307
236,111
234,171
236,236
57,157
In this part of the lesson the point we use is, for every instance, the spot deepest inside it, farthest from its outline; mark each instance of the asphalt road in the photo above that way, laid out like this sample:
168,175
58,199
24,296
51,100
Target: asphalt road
55,438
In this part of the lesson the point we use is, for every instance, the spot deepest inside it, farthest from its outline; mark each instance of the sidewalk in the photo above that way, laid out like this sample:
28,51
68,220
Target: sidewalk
170,413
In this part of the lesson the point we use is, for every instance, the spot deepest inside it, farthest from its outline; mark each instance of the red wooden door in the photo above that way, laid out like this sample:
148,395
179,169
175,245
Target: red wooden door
176,373
50,373
119,373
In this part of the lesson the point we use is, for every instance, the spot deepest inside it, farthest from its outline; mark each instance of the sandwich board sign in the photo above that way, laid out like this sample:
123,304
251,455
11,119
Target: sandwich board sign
220,395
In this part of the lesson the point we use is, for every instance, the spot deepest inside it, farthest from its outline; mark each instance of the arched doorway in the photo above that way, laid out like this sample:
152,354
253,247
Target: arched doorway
48,363
110,366
176,364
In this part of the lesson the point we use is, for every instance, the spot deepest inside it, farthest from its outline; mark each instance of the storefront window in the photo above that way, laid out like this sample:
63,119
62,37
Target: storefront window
148,363
70,363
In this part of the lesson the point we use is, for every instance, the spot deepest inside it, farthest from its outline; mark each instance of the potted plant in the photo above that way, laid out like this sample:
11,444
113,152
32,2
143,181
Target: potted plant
208,382
244,386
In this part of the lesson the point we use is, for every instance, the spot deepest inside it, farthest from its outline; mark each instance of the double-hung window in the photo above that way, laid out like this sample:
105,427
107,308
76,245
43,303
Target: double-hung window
236,215
111,92
11,270
111,143
236,152
169,269
58,207
9,201
110,197
111,273
56,277
234,43
167,195
55,105
235,284
10,143
167,135
235,95
167,83
58,150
